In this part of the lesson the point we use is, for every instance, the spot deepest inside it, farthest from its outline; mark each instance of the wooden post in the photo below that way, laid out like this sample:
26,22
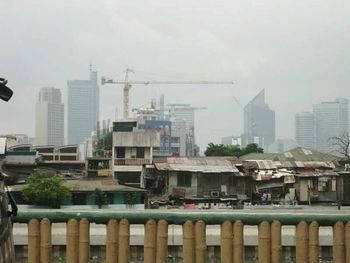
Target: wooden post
162,241
45,241
226,242
188,242
150,241
302,242
112,241
264,242
72,248
124,241
338,243
33,241
238,244
84,241
276,242
313,242
200,240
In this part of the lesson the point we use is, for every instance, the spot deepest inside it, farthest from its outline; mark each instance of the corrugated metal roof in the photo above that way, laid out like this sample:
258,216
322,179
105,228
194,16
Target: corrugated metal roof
199,164
107,185
296,154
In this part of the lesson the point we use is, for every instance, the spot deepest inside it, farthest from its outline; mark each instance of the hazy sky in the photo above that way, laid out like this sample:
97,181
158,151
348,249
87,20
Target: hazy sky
299,51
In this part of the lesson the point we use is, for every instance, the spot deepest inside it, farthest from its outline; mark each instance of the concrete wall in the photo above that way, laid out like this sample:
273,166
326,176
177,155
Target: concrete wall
190,191
136,139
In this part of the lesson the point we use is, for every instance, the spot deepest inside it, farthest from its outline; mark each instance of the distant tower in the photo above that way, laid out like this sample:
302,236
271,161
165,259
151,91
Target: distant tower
259,122
186,113
161,107
83,108
332,119
305,130
49,117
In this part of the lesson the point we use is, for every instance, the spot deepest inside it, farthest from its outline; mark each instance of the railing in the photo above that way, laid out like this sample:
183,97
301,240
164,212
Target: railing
194,234
134,161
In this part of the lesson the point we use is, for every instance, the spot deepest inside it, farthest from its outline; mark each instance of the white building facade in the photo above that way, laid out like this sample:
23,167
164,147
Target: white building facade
332,120
305,130
49,117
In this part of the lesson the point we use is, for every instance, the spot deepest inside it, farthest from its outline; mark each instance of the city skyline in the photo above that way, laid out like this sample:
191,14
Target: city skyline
273,45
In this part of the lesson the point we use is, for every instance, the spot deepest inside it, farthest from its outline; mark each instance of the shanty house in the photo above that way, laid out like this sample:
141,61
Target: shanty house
199,178
306,174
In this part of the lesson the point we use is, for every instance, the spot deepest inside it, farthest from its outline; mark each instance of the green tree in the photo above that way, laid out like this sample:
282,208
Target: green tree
231,150
46,190
252,148
130,199
100,197
222,150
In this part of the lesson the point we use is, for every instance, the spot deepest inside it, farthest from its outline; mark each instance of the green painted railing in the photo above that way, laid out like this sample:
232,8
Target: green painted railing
327,218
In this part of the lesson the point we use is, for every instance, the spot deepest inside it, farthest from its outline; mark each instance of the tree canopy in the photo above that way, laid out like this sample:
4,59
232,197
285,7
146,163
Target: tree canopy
43,189
231,150
100,197
341,145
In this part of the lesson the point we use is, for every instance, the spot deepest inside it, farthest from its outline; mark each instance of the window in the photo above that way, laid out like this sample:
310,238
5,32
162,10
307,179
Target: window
120,152
184,179
140,152
79,199
110,197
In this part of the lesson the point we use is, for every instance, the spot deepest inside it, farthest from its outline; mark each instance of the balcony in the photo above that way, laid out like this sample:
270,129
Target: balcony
194,237
133,161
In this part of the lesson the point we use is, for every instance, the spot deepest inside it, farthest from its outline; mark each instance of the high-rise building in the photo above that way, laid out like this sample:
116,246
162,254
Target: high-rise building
186,112
332,119
259,122
305,130
83,108
49,121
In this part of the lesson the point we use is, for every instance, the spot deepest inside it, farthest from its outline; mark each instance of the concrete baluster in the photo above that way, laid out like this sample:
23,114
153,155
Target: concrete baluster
264,242
238,243
33,241
188,236
84,241
45,241
338,243
276,242
226,242
302,242
347,242
150,241
200,241
162,242
112,241
124,241
72,247
313,242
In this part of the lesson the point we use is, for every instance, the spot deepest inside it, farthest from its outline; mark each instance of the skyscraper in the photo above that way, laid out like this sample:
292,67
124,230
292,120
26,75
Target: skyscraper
259,122
305,130
332,119
83,108
186,112
49,121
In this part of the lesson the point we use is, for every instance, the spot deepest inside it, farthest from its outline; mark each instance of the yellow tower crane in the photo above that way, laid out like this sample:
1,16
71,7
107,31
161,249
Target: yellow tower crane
127,86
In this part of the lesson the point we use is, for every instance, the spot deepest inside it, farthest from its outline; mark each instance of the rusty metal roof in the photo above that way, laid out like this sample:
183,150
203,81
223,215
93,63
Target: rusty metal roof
197,164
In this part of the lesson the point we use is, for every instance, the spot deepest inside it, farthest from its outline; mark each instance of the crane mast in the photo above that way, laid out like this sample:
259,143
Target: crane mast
127,86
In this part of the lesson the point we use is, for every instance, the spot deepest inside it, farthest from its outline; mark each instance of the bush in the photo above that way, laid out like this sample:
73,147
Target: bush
100,197
45,190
